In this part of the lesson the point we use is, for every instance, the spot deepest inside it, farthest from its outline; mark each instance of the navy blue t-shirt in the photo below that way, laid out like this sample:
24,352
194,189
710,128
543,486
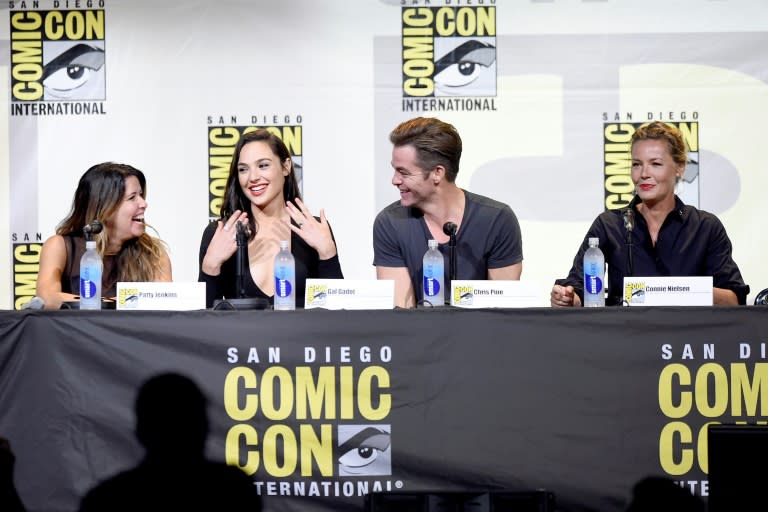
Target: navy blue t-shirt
489,237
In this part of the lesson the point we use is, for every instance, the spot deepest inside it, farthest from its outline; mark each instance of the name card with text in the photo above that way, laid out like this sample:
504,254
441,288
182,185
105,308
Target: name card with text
495,294
349,294
182,296
668,291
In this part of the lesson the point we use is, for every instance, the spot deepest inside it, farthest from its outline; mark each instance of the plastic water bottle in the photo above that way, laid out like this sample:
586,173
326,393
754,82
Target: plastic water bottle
434,274
90,277
285,279
594,275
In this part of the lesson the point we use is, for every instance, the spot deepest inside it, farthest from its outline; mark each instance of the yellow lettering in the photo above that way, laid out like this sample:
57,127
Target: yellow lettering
702,388
667,443
365,393
316,395
666,404
753,391
74,25
419,17
250,438
26,20
236,377
316,449
280,436
276,400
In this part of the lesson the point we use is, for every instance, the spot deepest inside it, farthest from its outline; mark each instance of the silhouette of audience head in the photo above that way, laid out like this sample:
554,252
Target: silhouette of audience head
172,425
9,498
660,494
171,418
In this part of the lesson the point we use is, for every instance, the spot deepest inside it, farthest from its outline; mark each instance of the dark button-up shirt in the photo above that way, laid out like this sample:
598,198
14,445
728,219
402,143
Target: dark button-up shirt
691,242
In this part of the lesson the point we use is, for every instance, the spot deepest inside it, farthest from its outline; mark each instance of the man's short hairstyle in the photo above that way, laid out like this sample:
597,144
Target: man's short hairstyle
436,143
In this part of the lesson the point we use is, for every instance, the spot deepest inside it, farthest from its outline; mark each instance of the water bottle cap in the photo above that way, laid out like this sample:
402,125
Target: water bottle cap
432,243
90,244
283,245
594,242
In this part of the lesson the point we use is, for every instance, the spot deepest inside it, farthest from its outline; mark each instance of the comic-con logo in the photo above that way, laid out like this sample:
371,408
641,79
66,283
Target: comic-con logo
449,51
222,140
634,293
128,298
317,294
463,295
309,420
618,187
25,265
57,56
693,394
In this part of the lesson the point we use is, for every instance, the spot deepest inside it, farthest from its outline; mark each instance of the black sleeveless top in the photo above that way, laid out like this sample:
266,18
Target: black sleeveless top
70,278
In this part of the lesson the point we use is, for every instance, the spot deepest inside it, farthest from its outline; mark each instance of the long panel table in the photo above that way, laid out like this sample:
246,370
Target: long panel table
582,403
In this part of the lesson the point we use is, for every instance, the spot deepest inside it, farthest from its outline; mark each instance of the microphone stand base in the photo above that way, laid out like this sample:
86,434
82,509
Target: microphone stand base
241,304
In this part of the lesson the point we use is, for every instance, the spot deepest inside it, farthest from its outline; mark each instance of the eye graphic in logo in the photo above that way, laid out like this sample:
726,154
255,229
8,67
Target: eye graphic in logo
688,186
76,73
364,450
298,170
468,69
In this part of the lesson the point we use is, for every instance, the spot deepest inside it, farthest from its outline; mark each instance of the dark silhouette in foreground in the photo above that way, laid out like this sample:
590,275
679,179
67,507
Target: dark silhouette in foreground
9,498
172,425
659,494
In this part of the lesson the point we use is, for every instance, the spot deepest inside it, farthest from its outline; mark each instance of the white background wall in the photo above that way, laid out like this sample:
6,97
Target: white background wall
171,64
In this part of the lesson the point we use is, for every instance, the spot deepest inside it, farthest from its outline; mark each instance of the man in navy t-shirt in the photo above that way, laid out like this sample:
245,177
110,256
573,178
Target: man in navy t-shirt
425,159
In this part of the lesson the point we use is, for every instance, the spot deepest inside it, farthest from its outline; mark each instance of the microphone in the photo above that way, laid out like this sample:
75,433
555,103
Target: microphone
241,301
92,228
629,224
449,228
629,219
241,257
34,303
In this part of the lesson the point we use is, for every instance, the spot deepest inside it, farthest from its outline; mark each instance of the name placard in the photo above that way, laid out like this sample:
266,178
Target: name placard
467,293
349,294
181,296
668,291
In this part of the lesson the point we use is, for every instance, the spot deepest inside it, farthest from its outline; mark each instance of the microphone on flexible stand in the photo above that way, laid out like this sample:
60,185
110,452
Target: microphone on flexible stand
629,225
241,302
449,228
241,237
92,228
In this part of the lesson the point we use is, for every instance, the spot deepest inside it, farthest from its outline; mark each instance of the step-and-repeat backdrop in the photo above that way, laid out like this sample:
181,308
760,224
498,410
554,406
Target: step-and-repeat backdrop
545,94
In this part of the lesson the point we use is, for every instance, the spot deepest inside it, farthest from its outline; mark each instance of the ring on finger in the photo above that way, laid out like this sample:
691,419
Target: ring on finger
300,223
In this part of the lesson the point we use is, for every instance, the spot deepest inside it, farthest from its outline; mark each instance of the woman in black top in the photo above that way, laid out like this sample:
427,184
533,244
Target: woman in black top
669,238
113,194
262,194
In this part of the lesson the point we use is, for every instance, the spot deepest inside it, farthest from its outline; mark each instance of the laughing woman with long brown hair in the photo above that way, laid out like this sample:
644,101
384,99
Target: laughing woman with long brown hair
113,194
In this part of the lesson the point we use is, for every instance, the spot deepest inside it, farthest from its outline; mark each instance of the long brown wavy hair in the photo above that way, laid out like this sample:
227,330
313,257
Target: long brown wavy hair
98,196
